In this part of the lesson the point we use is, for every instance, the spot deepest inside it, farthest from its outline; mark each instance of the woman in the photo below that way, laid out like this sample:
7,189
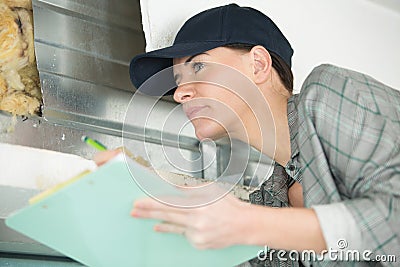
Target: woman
337,146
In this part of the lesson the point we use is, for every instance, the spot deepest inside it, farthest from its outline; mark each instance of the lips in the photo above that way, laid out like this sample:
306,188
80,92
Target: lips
191,112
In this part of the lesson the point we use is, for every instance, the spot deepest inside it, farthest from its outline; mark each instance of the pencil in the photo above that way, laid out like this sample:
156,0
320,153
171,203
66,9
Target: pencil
94,143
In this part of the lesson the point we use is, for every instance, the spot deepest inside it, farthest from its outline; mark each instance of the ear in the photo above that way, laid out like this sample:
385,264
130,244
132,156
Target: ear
262,64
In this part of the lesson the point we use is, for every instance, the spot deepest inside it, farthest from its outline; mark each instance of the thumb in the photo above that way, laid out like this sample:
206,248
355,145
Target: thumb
104,156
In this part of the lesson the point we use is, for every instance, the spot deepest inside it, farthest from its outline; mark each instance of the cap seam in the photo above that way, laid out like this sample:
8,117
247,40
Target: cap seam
223,17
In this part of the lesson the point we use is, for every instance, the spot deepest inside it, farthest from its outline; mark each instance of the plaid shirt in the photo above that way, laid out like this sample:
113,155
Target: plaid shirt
345,142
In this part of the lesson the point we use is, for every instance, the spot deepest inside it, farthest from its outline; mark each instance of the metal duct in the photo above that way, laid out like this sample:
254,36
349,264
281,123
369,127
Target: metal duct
83,49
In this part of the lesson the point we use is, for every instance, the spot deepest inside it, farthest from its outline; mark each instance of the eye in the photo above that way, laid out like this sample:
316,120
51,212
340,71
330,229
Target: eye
197,66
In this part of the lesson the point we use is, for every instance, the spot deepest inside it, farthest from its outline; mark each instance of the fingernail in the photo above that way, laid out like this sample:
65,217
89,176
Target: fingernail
134,213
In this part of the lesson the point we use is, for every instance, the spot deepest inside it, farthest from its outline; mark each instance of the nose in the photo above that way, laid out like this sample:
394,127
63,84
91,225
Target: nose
184,93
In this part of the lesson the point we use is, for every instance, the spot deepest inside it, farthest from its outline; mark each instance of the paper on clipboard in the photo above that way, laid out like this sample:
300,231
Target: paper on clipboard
89,221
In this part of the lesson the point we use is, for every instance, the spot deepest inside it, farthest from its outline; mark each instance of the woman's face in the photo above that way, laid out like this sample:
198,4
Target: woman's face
209,88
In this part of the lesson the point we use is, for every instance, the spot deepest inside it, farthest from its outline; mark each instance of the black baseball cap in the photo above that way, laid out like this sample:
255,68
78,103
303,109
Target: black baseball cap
212,28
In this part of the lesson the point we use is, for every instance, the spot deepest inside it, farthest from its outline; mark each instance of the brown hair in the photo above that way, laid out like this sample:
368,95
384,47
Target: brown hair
281,67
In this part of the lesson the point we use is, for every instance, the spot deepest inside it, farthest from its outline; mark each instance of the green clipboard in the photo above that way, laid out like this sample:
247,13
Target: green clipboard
89,220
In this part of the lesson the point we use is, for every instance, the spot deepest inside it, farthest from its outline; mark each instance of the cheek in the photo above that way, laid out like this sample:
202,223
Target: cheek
233,110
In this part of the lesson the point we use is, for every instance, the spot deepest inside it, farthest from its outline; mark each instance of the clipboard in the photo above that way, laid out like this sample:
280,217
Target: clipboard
89,221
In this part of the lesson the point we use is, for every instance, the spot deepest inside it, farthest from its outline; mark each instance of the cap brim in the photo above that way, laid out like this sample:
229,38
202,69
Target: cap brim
144,66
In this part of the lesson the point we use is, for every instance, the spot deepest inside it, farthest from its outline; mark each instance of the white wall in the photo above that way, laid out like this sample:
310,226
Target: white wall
357,34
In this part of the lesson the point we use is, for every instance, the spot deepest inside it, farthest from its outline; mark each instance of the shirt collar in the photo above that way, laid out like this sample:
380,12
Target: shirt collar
293,124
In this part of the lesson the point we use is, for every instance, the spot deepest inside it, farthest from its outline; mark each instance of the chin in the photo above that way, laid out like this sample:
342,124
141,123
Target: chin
206,129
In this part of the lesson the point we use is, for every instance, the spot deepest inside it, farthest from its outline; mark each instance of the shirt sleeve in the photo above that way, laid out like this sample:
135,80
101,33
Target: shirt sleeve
350,153
346,236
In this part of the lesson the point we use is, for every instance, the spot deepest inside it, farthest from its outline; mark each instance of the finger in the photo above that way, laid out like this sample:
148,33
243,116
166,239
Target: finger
170,228
152,204
102,157
170,217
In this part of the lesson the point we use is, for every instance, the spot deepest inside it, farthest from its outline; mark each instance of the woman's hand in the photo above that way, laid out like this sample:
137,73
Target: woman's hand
102,157
215,225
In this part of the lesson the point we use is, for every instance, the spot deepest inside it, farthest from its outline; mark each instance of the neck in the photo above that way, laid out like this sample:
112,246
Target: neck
260,135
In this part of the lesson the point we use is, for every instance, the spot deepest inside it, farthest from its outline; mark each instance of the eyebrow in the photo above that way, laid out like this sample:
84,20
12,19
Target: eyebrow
191,58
